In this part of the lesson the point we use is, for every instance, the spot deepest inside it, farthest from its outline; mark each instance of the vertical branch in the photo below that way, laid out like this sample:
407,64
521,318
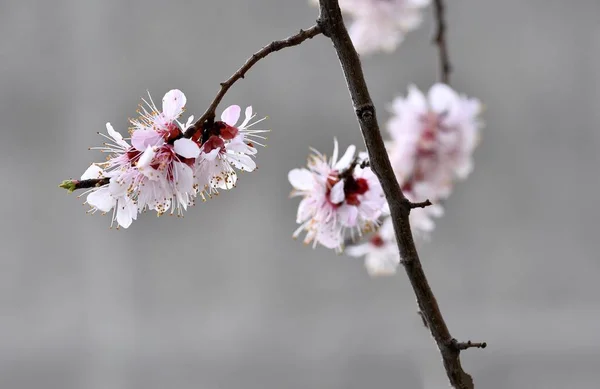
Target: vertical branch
332,26
440,40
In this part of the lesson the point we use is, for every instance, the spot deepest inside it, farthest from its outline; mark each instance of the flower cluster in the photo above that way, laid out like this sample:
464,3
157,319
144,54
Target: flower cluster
337,195
380,25
160,169
432,141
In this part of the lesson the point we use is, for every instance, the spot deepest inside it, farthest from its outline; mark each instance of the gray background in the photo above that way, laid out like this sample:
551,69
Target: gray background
224,298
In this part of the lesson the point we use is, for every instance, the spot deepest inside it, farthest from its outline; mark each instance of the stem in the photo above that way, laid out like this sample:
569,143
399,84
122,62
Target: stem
332,25
440,41
293,40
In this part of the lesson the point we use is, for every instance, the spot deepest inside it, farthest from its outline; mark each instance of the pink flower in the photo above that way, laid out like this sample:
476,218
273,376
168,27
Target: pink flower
337,195
155,172
380,25
227,146
433,140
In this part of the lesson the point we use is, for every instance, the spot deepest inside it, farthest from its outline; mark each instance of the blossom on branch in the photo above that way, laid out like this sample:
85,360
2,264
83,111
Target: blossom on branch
161,170
225,147
380,25
337,195
433,139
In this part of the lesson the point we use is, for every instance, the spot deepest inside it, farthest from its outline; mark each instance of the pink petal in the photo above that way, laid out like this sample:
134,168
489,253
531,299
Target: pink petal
231,114
442,98
142,139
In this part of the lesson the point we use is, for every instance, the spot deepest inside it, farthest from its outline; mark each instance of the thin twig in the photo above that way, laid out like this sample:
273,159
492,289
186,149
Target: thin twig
469,344
440,41
293,40
72,185
331,22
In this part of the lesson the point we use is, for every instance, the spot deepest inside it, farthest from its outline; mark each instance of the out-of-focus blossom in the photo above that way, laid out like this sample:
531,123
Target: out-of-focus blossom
433,139
337,195
380,25
226,146
380,251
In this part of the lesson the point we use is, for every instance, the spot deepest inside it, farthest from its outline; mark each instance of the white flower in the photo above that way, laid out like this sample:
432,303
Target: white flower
433,139
381,24
226,146
337,195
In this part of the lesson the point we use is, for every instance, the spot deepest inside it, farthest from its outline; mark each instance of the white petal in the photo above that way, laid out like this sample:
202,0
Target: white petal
116,136
247,118
334,156
358,250
305,210
184,177
187,148
346,159
92,172
337,193
173,104
125,212
188,123
211,155
442,98
301,179
146,157
241,161
101,199
416,100
231,114
348,215
382,264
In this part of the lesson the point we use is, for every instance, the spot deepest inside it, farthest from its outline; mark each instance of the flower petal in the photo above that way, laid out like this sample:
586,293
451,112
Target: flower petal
116,136
301,179
173,103
334,156
241,161
231,115
101,199
346,159
187,148
92,172
247,118
337,193
146,157
142,139
442,98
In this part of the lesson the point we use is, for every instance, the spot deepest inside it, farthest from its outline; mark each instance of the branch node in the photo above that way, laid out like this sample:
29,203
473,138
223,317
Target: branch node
421,204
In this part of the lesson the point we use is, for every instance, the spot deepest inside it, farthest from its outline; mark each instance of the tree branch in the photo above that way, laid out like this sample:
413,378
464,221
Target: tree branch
293,40
332,25
440,41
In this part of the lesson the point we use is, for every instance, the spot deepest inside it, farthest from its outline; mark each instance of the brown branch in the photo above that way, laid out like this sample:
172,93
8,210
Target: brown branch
440,41
421,204
293,40
72,185
332,24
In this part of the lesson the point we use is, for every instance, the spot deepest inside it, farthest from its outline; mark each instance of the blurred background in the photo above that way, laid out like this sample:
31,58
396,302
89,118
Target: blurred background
224,298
